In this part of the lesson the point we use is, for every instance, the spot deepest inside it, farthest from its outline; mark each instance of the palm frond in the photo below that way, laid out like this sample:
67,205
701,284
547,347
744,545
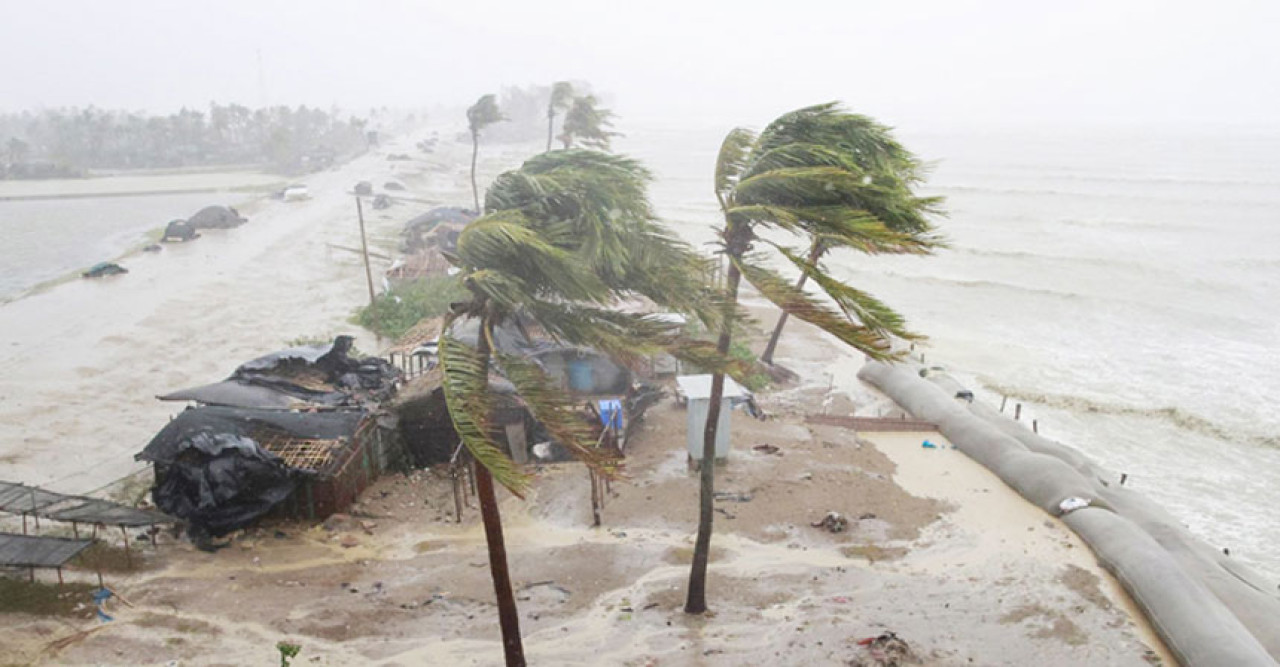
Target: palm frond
465,380
804,306
731,162
502,250
854,303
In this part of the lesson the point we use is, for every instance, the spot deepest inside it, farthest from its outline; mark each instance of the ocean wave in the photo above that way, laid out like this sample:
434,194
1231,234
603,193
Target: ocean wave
1040,257
1177,416
1050,192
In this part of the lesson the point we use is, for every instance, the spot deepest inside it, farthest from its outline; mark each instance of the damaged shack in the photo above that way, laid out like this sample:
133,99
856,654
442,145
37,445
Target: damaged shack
296,433
610,396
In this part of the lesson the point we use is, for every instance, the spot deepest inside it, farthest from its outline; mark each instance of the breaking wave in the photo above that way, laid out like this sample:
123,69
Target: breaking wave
1179,417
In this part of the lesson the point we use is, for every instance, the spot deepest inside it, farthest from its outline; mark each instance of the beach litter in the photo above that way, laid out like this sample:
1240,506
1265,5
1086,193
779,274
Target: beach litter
1069,505
767,449
885,650
833,522
929,445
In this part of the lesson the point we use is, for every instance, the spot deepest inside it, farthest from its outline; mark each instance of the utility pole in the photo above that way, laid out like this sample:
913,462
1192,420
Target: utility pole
364,250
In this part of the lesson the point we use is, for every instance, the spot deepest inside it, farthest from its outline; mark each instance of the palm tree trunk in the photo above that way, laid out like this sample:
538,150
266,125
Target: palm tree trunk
815,252
475,150
508,615
551,120
696,602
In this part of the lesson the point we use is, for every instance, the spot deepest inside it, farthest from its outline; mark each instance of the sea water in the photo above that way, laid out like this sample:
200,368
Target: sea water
1123,284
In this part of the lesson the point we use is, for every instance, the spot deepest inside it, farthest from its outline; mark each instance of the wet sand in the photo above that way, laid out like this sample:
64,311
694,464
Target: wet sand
936,550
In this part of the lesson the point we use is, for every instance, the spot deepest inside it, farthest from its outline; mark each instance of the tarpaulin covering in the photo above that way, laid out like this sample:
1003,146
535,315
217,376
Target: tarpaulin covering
216,474
310,375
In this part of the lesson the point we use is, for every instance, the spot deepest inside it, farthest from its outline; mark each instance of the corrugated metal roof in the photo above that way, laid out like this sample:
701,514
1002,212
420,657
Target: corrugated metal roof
23,499
32,551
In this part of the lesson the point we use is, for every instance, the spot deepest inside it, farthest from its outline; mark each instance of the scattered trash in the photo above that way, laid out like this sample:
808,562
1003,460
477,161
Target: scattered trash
1069,505
733,497
929,445
100,598
154,247
349,541
886,650
965,395
833,522
866,515
765,449
726,513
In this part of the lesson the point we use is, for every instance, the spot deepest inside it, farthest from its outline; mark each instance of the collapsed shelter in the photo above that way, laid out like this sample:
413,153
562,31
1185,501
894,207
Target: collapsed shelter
295,432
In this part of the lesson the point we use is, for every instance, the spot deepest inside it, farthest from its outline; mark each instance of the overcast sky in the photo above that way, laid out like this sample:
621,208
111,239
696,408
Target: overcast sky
921,62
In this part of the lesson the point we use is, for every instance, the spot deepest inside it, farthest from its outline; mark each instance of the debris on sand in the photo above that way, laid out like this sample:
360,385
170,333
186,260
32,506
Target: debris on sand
103,269
886,650
833,522
767,449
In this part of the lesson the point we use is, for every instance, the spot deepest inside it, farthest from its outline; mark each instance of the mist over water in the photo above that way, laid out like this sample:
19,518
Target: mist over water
1120,284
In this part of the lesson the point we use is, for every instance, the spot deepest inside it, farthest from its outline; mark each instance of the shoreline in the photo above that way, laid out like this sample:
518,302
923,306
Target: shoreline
237,294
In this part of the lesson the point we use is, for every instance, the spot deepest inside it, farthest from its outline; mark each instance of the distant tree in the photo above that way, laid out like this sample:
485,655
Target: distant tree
800,177
479,116
587,123
561,98
18,150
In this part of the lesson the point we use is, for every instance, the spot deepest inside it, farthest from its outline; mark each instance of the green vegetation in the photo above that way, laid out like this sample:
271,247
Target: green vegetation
826,177
588,124
287,652
408,303
41,599
748,372
61,142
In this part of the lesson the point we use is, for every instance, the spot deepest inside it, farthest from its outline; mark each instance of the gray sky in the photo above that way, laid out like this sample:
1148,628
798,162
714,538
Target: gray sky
924,62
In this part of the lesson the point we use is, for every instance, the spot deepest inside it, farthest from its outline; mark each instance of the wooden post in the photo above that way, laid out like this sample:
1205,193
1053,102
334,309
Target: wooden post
1017,411
75,528
595,498
59,575
99,573
24,523
364,250
1035,426
1003,400
457,495
128,556
31,574
1124,477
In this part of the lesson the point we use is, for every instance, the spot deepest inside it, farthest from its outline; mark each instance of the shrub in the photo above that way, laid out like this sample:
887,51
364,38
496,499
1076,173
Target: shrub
394,312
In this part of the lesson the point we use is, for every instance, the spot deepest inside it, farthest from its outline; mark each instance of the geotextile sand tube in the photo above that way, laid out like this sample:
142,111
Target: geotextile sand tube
1208,609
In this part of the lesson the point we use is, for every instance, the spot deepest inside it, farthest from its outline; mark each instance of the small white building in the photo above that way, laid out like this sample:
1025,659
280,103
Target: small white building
696,390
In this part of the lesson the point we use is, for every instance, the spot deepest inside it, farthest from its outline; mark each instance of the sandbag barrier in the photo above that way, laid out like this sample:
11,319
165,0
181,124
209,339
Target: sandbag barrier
1208,609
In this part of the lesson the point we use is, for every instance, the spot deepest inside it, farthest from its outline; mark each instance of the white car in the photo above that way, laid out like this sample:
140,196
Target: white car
295,193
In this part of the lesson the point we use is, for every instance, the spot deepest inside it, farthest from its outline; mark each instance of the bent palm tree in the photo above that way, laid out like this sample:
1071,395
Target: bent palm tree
802,176
565,236
587,123
479,116
891,173
561,94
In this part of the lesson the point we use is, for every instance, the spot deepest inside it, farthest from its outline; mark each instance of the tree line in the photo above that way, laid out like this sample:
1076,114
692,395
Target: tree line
572,232
68,142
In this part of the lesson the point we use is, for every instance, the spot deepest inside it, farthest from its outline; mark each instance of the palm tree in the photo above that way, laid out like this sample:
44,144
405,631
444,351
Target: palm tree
561,94
588,124
479,116
801,176
892,172
564,237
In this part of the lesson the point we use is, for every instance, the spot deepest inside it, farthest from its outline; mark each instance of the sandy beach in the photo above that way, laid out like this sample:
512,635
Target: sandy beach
938,550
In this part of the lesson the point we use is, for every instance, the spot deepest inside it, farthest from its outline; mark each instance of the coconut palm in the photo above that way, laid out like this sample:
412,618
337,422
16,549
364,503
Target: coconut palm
891,174
588,124
565,236
561,97
803,175
479,116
